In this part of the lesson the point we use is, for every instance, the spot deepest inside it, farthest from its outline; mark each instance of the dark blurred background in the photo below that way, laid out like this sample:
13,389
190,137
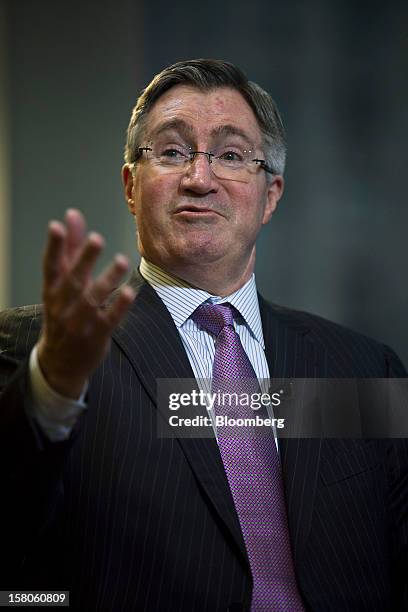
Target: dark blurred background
337,245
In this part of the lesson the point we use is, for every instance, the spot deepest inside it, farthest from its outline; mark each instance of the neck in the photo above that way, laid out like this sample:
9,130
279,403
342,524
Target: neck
211,278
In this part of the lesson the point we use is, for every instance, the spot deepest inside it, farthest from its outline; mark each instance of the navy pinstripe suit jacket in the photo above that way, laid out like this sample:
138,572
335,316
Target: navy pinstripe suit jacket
128,521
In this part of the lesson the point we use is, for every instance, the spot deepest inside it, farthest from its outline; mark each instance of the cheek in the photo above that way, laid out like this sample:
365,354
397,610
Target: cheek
151,201
251,208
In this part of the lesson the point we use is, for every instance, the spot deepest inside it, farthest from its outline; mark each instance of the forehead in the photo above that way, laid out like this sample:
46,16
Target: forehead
204,112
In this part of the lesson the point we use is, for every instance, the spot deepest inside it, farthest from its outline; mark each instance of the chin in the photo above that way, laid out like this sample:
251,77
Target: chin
201,250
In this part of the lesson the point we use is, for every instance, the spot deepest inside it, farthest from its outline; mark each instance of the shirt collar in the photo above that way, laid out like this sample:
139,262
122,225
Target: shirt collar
181,299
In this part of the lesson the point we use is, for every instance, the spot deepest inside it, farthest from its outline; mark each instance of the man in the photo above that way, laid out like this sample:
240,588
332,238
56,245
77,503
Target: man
96,502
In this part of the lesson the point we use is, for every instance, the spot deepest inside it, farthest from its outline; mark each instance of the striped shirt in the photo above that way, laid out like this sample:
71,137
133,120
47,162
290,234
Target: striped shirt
181,300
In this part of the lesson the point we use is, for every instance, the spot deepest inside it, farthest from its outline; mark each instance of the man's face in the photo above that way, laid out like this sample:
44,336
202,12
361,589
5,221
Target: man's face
192,217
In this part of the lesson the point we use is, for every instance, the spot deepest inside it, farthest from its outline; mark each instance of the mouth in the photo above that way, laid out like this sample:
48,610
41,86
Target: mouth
191,210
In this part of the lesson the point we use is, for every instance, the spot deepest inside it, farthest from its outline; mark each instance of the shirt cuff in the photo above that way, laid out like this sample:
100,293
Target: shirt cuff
55,414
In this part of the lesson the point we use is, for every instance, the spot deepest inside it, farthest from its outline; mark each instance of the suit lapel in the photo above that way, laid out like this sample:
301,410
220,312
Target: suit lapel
291,353
152,343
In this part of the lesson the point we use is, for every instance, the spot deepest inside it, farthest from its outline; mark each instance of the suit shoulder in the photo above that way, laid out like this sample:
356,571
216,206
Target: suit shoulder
339,340
316,322
19,329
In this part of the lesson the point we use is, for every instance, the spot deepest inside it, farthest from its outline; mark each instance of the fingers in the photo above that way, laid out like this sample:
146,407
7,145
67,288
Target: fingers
108,280
69,282
76,231
53,253
63,245
69,261
80,273
119,306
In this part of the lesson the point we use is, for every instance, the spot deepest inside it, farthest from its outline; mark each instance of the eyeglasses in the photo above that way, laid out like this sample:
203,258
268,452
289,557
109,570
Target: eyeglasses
227,162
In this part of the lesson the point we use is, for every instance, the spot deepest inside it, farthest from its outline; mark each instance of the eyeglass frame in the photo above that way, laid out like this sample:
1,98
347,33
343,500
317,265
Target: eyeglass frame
262,163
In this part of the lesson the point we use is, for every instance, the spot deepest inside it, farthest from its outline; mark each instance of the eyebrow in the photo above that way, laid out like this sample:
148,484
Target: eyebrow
187,129
231,130
174,124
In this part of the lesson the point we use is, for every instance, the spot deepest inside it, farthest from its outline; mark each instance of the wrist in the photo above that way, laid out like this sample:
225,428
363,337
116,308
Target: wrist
58,376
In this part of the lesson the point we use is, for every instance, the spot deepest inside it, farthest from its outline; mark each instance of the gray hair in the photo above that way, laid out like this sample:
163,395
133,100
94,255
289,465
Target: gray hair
206,75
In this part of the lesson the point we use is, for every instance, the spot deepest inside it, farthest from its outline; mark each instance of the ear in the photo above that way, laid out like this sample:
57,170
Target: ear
127,180
273,195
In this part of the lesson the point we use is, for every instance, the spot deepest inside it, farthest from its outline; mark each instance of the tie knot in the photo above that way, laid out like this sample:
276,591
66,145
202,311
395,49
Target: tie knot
213,317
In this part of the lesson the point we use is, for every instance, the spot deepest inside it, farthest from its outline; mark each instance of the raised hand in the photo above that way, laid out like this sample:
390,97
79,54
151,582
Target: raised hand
77,326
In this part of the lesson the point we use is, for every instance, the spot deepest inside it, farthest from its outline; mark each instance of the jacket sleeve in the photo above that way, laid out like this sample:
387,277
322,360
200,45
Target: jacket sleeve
397,470
30,465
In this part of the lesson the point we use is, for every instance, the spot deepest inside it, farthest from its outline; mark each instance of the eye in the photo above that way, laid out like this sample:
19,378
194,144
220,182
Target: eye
231,156
172,153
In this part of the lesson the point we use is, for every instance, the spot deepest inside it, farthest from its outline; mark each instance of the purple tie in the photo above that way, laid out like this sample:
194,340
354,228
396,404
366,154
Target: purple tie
253,471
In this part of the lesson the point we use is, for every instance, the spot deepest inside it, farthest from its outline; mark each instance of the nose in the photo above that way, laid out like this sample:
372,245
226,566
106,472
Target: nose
199,178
